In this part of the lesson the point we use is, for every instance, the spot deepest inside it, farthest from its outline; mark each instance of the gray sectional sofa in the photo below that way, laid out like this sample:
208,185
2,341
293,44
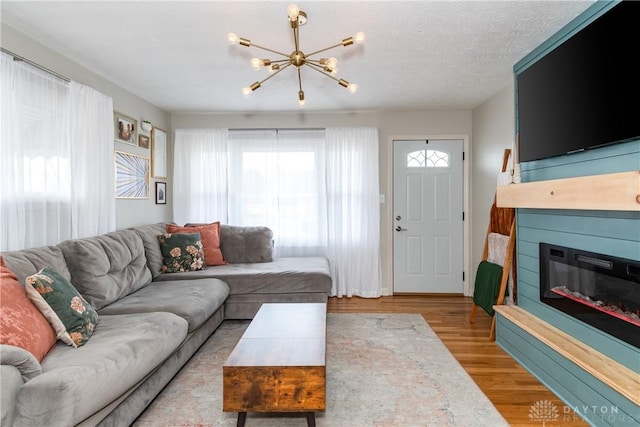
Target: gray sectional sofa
150,323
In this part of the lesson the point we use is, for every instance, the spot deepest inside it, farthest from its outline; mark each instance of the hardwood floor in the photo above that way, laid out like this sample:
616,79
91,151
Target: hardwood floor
511,388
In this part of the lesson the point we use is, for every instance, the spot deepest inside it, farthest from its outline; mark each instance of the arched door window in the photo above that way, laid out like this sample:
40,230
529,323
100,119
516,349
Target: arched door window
428,159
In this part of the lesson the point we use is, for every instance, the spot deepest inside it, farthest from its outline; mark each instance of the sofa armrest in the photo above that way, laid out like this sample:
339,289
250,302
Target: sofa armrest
21,359
10,382
17,366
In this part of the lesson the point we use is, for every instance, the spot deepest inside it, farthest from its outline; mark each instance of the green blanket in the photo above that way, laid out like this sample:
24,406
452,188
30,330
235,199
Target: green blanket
487,285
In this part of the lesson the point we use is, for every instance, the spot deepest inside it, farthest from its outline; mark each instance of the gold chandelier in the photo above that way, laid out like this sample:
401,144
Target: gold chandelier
325,66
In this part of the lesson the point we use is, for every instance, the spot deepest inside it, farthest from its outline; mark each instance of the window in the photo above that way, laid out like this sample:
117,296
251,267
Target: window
57,140
317,189
277,179
428,158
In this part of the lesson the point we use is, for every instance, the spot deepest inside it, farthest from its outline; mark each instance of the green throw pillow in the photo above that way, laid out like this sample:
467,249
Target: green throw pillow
71,316
181,252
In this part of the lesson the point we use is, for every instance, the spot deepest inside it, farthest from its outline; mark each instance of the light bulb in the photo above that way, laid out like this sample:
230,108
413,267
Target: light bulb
301,101
359,37
233,39
256,63
332,62
293,11
353,88
246,91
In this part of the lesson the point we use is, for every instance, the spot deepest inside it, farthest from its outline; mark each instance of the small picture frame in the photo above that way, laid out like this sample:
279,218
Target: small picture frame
158,153
125,128
143,141
161,193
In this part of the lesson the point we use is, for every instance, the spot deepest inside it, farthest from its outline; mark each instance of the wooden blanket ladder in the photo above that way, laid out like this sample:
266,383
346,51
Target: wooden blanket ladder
502,221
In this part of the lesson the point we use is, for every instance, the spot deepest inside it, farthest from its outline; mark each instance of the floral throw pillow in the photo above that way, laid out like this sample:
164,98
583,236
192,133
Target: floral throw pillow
71,316
210,234
181,252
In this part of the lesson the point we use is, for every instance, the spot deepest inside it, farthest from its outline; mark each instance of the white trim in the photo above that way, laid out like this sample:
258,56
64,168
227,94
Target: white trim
387,288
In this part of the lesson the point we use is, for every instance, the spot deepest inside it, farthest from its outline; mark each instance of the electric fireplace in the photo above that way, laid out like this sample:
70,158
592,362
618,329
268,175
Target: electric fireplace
600,290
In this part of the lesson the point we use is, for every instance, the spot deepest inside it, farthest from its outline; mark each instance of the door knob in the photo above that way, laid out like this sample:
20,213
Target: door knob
398,228
398,218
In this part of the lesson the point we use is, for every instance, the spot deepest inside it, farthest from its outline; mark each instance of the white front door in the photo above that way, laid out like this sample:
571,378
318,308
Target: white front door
428,216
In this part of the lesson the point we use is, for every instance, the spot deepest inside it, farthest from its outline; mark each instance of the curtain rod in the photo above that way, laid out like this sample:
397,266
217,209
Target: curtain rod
17,57
276,129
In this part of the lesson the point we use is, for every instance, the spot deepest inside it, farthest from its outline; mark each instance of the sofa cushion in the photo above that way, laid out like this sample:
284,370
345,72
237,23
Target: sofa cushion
71,316
149,234
195,300
76,383
105,268
281,276
210,234
27,262
241,244
181,252
21,323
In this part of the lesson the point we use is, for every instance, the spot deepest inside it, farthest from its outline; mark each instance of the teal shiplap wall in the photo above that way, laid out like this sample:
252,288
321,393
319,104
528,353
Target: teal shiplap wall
608,232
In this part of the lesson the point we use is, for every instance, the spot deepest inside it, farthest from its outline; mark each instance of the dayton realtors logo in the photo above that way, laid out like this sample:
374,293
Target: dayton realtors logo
544,411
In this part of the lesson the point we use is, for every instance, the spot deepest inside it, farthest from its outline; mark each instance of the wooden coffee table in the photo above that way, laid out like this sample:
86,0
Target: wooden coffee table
279,363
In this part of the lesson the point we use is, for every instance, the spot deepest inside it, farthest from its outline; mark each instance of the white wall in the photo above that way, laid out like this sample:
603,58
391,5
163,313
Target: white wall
389,124
493,131
128,212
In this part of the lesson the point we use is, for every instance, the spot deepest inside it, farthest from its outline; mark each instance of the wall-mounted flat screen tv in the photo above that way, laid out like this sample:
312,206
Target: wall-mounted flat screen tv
584,93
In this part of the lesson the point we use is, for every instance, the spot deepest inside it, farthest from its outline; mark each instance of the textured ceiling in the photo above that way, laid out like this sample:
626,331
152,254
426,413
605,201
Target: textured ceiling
417,54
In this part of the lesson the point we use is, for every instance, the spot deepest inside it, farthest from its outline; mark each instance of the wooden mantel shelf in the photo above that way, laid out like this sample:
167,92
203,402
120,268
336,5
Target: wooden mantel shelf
622,379
611,192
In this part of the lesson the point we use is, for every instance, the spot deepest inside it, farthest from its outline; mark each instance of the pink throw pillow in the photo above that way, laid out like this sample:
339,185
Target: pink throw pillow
21,323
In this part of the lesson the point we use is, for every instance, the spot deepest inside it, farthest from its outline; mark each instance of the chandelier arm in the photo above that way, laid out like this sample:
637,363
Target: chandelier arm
318,69
269,50
325,49
299,80
276,72
296,38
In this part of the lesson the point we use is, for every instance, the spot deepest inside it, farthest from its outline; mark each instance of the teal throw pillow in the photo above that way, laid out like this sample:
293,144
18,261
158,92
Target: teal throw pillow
181,252
71,316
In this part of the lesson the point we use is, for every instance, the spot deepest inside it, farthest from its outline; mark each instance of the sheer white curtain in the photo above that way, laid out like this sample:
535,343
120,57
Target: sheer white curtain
354,211
49,159
200,176
93,194
277,179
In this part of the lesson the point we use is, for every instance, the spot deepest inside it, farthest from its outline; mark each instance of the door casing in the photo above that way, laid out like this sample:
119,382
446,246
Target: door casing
387,208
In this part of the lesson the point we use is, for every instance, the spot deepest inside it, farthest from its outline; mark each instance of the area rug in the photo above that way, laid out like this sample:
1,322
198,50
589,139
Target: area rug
383,370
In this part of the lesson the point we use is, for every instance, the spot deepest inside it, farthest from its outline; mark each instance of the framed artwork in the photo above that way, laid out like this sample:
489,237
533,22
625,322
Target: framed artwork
125,128
143,141
132,176
161,193
158,153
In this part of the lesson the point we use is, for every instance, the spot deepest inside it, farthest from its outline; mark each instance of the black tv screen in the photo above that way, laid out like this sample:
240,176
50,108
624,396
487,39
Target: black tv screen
584,93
